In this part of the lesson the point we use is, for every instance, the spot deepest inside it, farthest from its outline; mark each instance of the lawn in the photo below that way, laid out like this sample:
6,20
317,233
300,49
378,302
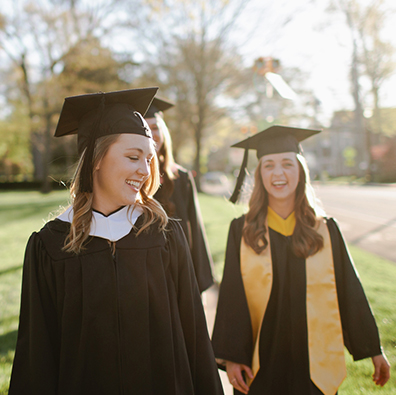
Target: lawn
23,212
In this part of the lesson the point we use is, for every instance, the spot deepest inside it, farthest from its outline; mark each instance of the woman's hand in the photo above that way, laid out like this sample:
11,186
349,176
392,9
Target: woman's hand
381,370
235,376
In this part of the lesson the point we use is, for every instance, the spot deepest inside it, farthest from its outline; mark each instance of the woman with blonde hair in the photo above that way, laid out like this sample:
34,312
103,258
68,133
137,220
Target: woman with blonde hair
178,194
109,301
290,297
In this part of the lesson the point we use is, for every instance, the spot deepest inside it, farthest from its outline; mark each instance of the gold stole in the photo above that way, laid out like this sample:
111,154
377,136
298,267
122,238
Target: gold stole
325,340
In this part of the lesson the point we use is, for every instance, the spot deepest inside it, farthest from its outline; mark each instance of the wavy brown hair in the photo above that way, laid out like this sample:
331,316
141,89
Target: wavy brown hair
167,166
82,201
306,240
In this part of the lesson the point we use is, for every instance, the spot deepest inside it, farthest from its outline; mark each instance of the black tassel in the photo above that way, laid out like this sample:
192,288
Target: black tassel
241,177
86,177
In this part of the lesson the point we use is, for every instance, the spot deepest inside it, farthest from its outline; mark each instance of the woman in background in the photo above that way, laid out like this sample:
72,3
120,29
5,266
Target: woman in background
290,298
109,301
178,194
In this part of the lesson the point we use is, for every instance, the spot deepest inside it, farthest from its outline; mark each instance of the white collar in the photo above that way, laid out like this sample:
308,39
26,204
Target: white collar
114,227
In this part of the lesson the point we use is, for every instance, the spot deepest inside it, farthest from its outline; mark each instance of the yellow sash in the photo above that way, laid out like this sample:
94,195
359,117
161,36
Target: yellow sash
325,340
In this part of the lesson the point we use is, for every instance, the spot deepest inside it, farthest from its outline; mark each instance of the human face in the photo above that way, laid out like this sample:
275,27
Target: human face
157,134
280,176
121,173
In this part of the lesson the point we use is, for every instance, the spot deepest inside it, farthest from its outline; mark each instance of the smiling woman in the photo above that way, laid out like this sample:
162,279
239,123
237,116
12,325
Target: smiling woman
290,298
109,301
280,176
178,195
122,172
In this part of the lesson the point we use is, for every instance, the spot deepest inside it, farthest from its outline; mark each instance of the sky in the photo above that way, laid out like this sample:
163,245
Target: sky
313,40
317,42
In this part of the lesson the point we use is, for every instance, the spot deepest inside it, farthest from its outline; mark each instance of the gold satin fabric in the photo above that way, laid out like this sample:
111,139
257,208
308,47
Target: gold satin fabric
256,273
325,341
283,226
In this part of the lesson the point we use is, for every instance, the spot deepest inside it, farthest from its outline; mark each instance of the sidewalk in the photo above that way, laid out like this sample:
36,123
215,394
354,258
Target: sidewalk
209,300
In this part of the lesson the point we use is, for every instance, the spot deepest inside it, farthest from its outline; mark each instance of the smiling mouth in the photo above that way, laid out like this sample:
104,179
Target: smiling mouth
135,184
279,183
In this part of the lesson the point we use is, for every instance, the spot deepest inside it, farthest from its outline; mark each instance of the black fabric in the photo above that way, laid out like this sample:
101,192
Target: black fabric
186,203
241,178
97,323
79,110
276,139
158,105
283,351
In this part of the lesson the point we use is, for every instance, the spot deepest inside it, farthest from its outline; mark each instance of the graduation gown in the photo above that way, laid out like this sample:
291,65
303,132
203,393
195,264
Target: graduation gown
187,209
283,353
124,321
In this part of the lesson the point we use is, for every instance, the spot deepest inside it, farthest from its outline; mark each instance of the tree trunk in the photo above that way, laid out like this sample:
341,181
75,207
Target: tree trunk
361,144
46,185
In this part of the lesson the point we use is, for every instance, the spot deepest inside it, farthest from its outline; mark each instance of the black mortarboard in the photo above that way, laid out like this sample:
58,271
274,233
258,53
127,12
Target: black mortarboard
158,105
274,140
101,114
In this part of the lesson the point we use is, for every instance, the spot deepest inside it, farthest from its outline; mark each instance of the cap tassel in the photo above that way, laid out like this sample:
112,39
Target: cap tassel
241,177
86,177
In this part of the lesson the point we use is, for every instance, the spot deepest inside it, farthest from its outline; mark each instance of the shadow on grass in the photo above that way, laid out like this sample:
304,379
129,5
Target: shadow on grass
10,270
16,212
7,349
7,346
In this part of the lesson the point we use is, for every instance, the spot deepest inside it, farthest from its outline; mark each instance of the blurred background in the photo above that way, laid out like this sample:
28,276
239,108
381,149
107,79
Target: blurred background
232,67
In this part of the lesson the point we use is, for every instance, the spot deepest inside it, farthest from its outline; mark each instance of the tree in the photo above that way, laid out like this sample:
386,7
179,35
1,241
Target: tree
377,53
188,51
37,38
371,57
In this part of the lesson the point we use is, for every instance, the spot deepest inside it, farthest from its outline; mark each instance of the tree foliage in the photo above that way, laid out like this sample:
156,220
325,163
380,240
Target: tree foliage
372,59
54,48
51,49
194,61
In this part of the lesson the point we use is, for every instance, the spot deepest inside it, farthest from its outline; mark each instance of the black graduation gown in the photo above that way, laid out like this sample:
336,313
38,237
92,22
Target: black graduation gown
284,361
97,323
187,209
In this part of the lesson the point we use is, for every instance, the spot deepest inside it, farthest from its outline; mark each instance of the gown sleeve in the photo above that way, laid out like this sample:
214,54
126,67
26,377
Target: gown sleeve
360,331
200,353
232,334
35,368
200,253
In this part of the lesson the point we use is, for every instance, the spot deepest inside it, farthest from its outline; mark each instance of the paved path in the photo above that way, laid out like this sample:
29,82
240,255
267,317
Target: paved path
366,214
210,303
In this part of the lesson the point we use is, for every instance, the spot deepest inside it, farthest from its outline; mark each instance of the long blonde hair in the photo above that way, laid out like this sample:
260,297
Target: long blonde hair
82,201
306,240
167,167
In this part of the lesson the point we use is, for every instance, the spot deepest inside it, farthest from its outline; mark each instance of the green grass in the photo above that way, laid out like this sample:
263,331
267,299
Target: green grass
217,213
378,278
21,213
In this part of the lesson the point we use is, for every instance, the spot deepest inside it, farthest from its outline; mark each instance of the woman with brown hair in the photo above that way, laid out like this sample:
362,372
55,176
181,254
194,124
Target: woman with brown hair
109,300
290,298
178,194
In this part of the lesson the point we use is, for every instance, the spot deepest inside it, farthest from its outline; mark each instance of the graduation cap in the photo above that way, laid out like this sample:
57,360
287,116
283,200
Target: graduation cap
158,105
101,114
274,140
